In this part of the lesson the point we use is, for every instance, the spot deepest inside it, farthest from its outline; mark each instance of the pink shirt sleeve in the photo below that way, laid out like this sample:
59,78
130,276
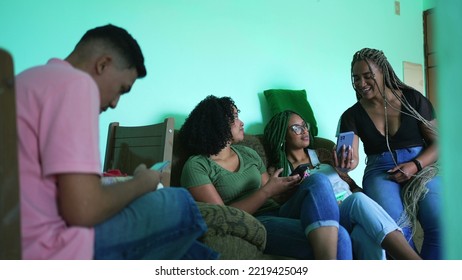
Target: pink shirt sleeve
69,130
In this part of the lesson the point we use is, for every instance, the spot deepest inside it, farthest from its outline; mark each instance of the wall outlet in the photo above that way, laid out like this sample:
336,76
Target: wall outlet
397,8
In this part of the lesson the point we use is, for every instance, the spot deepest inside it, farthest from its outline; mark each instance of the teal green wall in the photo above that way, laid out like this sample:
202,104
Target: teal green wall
449,39
240,48
233,48
429,4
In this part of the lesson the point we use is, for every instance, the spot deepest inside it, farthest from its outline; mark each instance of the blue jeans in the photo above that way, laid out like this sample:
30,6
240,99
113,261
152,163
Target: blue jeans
163,224
368,224
387,193
313,205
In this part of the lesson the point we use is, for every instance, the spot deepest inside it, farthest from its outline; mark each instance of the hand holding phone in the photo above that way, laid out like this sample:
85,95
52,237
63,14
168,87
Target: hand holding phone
301,170
160,166
344,138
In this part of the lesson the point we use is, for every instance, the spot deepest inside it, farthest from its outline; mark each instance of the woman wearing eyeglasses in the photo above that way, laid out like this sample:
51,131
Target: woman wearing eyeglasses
372,230
220,171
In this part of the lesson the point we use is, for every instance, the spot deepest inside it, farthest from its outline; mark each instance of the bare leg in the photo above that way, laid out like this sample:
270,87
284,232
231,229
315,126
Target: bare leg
324,240
397,247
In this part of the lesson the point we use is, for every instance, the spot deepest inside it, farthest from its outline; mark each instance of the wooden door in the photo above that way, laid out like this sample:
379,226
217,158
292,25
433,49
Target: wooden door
430,57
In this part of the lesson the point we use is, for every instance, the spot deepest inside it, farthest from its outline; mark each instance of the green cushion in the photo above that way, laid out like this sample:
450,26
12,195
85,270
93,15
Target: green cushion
283,99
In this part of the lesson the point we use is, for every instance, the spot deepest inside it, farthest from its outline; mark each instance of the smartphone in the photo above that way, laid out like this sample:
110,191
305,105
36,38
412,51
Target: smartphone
344,138
300,170
160,166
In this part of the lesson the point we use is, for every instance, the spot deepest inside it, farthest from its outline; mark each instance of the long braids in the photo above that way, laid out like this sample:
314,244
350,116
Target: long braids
415,190
274,141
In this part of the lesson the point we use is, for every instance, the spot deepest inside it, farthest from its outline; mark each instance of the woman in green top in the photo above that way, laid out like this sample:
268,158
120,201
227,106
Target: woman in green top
306,226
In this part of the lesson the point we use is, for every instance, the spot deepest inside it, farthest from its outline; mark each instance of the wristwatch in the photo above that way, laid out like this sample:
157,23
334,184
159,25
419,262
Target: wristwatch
418,164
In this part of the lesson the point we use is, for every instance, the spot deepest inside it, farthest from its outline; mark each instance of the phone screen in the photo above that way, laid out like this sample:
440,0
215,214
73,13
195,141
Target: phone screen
160,166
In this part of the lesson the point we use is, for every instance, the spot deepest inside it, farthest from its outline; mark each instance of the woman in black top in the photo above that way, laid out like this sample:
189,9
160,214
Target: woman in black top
397,126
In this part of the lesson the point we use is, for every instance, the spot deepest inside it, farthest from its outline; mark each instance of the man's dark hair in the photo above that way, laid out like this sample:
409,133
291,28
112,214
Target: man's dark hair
122,42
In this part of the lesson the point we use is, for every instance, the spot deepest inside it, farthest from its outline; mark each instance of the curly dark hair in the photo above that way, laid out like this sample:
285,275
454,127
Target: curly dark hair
207,129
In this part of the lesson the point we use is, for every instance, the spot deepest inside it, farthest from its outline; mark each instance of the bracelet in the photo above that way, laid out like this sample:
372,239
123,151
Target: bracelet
418,164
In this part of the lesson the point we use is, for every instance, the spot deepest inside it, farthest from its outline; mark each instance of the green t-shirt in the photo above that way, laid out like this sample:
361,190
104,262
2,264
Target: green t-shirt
231,186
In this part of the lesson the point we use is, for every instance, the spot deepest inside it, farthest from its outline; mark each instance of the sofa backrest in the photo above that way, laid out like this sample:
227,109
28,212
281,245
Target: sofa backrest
254,141
128,146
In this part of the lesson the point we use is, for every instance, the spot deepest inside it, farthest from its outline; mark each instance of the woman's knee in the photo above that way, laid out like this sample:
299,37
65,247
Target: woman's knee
357,201
354,206
317,182
320,178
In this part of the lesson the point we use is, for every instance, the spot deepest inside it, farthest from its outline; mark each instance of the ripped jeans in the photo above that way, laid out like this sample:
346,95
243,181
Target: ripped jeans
387,193
313,205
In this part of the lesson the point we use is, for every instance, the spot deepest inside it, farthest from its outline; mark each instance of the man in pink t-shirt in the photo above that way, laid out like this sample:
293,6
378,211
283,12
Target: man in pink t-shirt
65,211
